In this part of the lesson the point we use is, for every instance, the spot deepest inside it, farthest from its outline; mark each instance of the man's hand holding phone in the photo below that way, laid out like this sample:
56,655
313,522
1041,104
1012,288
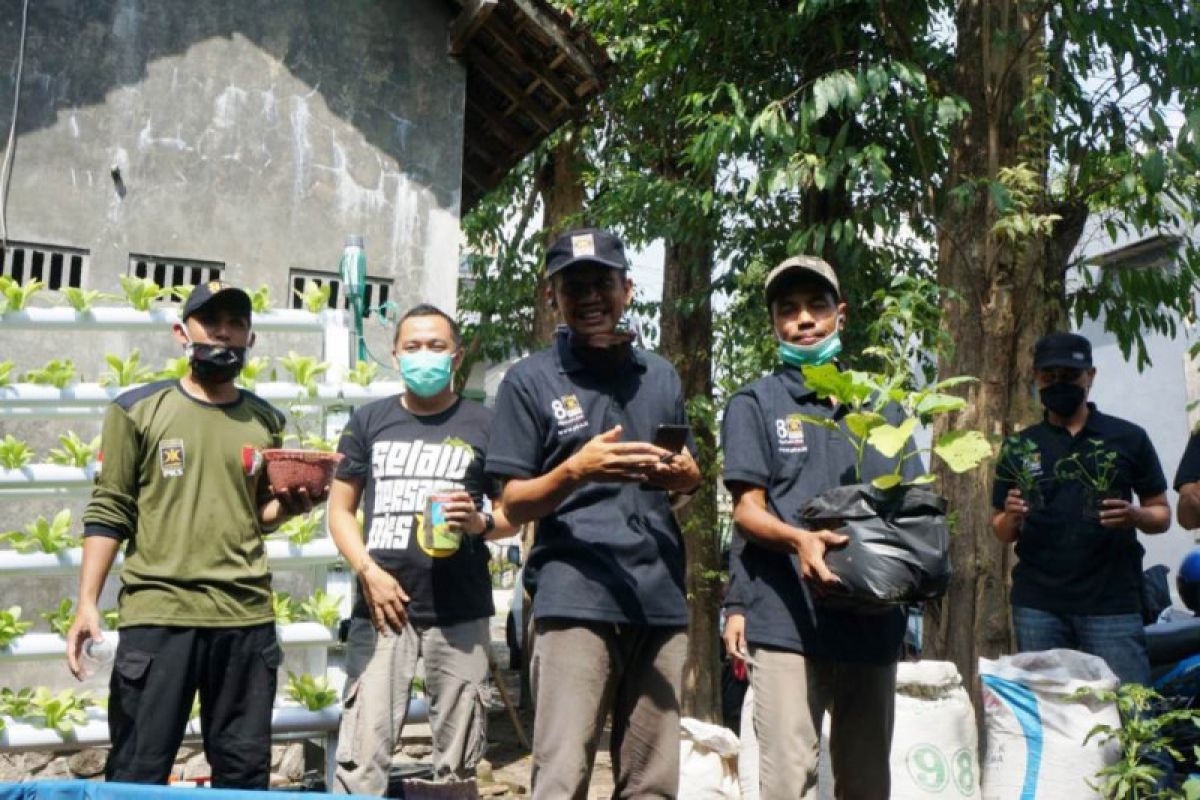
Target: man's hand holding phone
676,470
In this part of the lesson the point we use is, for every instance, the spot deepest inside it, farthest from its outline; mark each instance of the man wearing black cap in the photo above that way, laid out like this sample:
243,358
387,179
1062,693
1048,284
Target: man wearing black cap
805,657
1077,583
181,485
572,440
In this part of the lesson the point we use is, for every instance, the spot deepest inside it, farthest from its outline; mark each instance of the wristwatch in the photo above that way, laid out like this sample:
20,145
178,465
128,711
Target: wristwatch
489,523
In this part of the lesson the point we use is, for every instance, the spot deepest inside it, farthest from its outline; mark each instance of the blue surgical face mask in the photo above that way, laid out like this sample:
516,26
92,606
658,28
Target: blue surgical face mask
811,355
425,372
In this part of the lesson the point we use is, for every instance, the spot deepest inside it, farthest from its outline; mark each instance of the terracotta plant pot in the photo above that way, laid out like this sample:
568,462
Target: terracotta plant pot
293,469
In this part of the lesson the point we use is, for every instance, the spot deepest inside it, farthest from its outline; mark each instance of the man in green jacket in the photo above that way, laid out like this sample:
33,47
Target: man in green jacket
182,487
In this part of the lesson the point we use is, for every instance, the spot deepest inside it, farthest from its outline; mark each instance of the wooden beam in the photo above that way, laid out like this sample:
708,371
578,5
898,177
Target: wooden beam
550,28
480,145
474,14
498,76
501,128
507,38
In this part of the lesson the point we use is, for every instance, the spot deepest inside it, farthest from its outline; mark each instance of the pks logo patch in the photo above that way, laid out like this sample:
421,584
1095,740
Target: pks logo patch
790,430
252,460
1033,463
171,458
568,413
583,244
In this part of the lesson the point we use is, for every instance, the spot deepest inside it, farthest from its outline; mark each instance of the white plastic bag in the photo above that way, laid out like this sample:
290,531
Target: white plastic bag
708,757
1035,733
934,743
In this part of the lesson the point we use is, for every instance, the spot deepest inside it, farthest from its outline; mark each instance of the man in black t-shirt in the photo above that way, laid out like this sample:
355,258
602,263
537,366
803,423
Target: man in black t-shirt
805,658
423,589
1187,483
1078,580
572,441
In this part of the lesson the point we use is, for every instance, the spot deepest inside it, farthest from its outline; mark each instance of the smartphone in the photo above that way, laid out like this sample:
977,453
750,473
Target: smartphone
672,437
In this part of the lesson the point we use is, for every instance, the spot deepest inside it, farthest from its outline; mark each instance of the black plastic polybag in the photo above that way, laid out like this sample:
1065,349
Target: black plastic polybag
899,548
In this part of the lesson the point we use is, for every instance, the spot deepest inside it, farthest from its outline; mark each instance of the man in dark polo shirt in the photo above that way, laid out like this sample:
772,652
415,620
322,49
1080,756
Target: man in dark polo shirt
572,441
1077,583
805,658
1187,483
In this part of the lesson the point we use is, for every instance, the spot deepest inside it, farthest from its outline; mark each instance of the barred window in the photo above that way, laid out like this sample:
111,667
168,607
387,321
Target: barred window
55,266
171,272
379,290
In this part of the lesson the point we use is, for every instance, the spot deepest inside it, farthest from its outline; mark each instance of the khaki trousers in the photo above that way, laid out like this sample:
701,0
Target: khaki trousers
379,673
582,671
792,694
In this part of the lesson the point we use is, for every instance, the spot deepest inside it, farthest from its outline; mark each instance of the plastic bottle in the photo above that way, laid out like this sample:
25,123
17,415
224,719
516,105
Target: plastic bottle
353,271
97,654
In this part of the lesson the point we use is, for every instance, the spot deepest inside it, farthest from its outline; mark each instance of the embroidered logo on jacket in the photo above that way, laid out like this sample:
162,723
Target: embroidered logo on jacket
171,458
569,414
790,431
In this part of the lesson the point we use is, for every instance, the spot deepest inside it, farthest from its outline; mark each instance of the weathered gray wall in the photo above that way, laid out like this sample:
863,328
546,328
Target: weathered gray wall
257,134
253,133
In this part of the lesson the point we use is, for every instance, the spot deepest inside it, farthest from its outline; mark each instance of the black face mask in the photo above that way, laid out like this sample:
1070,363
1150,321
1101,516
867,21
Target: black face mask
216,363
1063,398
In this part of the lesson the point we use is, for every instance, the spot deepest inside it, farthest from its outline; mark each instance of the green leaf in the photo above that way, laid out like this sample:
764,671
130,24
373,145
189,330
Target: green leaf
923,480
822,422
889,481
938,403
1154,171
950,383
1001,196
962,450
948,111
850,387
861,423
890,439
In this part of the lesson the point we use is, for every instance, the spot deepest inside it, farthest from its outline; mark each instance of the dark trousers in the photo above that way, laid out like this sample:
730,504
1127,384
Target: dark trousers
1120,639
155,677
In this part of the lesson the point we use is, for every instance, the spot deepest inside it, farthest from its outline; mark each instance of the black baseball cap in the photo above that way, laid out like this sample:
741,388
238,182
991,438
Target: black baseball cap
585,246
1062,350
796,266
217,293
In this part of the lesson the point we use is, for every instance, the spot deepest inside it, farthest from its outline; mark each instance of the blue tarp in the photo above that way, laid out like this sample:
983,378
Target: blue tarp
96,790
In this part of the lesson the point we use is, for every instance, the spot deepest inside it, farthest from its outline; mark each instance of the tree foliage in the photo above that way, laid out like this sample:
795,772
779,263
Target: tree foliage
754,130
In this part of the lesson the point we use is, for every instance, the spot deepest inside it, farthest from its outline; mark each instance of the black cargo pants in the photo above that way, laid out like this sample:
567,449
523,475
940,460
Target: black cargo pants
156,674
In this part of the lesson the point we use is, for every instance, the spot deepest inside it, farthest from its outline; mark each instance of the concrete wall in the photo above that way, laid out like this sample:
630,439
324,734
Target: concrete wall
255,134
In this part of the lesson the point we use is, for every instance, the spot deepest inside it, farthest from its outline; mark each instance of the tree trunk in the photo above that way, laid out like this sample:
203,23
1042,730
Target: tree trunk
560,183
687,340
1007,295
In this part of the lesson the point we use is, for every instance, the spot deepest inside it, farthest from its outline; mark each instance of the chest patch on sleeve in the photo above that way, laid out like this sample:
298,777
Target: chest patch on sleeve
171,458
